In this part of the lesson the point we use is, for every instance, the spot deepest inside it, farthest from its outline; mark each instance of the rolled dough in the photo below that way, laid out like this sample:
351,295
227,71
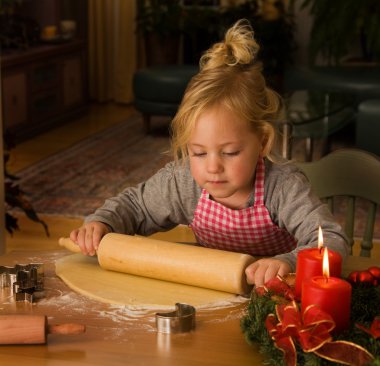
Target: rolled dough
84,275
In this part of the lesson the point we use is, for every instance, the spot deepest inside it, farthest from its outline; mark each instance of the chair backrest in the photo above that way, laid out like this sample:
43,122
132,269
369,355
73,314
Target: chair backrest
355,175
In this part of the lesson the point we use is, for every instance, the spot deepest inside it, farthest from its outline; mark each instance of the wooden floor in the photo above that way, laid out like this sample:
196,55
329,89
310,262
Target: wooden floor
99,117
31,235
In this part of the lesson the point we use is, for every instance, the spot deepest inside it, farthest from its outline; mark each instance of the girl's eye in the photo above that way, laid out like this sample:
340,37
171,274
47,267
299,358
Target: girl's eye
233,153
198,154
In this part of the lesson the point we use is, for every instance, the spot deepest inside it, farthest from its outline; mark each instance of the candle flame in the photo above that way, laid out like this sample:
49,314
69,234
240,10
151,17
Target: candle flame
320,238
325,265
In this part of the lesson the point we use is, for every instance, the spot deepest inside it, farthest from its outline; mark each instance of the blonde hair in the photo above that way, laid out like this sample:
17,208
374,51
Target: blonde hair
231,76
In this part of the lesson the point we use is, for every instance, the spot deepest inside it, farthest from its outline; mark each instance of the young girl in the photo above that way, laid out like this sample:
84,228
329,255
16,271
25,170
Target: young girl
224,182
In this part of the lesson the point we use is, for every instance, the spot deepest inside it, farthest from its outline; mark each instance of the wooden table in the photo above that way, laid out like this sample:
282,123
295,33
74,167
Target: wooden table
118,336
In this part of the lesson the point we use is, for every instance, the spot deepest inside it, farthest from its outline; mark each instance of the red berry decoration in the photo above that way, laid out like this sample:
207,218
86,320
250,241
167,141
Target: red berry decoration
366,278
375,272
353,277
369,277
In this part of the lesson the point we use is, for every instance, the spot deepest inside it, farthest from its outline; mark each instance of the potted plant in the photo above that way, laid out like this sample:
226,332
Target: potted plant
14,195
340,24
273,25
162,20
202,27
159,24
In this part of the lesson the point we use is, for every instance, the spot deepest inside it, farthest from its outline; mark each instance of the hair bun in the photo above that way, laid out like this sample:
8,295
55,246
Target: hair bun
238,48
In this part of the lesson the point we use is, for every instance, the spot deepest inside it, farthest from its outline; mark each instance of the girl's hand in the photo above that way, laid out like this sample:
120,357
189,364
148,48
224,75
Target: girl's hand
265,269
89,235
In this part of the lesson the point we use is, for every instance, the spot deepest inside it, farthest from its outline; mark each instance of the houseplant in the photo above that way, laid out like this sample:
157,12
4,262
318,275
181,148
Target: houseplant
15,32
340,24
159,24
202,27
271,21
162,22
273,24
15,197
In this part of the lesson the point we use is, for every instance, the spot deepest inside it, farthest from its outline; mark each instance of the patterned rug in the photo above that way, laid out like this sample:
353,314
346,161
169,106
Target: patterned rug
75,181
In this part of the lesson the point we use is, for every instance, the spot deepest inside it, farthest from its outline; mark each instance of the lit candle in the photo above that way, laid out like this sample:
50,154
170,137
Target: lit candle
309,264
331,294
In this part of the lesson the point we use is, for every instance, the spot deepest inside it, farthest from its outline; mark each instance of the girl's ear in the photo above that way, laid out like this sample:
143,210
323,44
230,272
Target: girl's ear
265,146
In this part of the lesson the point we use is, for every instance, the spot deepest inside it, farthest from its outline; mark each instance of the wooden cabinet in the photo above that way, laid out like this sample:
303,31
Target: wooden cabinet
72,82
42,87
14,99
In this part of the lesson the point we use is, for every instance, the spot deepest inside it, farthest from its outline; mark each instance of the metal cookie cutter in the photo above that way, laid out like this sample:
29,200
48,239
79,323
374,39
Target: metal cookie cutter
179,321
22,280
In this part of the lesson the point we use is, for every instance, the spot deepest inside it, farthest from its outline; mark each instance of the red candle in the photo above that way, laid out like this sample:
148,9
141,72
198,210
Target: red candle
309,264
331,294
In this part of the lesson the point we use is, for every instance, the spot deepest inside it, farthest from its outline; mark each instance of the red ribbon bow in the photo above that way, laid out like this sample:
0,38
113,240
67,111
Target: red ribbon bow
374,330
312,332
277,286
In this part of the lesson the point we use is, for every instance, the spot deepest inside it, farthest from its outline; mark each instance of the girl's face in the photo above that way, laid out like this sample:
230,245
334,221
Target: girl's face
223,154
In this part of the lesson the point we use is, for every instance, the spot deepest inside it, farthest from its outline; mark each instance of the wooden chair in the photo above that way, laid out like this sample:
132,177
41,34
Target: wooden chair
352,174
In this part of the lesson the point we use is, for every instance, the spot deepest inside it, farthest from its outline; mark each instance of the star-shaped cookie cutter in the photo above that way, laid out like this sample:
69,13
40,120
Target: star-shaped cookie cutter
180,320
22,280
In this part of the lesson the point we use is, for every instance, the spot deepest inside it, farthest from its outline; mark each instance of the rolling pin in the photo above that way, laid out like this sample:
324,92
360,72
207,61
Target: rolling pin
181,263
32,329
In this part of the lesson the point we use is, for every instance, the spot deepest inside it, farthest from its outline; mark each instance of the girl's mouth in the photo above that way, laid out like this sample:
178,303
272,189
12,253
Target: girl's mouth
216,182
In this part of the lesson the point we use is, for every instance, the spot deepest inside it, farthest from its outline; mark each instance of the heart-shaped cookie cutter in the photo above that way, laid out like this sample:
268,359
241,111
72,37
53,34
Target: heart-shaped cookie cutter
181,320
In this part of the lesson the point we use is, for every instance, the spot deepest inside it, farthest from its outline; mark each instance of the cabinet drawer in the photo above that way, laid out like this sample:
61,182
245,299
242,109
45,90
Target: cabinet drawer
42,87
45,104
45,76
72,82
14,88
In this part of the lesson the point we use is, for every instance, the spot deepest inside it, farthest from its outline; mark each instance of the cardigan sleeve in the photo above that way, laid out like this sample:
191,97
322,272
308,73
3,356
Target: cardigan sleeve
162,202
295,207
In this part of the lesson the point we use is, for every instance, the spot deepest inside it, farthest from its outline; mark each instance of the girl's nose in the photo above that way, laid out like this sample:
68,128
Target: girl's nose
214,164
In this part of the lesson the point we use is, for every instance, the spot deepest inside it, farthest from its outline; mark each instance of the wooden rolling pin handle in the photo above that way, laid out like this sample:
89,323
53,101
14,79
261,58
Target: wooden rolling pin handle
32,329
69,244
66,329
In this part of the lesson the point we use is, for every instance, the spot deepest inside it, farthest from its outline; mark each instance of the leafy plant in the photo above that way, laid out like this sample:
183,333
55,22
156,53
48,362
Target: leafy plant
201,26
338,24
163,17
159,22
274,28
15,196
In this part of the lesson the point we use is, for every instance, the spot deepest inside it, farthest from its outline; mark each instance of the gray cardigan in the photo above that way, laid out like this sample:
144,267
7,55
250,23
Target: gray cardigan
169,198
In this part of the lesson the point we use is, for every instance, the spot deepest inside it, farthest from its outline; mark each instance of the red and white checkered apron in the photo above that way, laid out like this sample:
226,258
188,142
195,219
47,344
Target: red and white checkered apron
249,230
